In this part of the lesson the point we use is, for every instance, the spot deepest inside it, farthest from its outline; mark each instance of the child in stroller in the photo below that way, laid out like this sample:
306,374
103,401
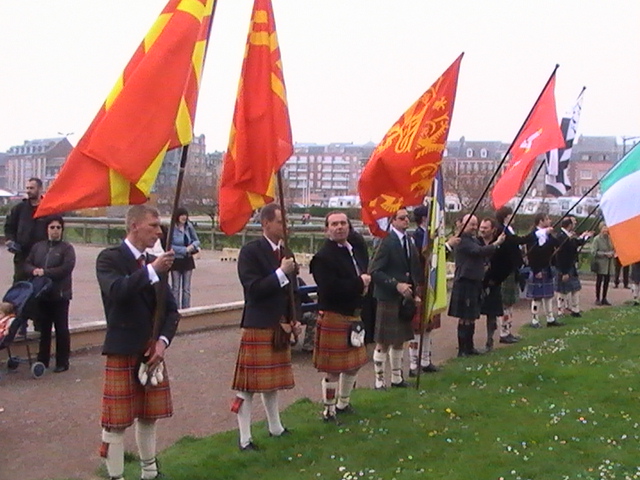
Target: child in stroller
15,309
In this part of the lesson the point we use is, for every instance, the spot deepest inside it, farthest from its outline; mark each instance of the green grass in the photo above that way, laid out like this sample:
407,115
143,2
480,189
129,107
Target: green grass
562,404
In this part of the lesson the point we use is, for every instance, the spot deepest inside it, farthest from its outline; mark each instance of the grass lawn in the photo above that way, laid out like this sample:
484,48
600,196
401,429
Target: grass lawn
562,404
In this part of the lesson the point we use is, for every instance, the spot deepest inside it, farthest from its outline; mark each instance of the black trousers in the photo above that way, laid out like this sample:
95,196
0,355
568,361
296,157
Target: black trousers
56,314
602,286
19,275
625,274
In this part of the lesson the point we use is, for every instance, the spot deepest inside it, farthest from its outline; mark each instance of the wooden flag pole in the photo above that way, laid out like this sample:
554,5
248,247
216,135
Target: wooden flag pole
526,192
504,157
285,240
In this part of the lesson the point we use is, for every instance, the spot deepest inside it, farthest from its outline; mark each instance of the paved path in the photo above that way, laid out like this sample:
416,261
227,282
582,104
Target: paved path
49,428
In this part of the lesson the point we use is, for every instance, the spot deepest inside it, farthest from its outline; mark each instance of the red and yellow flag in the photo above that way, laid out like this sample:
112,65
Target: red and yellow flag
260,140
540,134
151,109
402,167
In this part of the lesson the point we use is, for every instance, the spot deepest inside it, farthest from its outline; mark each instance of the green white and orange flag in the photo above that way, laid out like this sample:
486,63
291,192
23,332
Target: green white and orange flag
150,110
402,167
620,205
260,140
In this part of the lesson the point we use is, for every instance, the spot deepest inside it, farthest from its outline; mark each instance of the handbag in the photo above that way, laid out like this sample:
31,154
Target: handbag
594,265
407,309
282,336
356,334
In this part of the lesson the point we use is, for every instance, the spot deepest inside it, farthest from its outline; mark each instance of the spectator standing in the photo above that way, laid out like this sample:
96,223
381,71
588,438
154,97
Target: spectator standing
604,257
634,277
22,231
54,259
185,244
618,268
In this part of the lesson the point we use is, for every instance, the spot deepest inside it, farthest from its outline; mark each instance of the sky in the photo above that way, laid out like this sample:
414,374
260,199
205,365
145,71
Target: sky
351,67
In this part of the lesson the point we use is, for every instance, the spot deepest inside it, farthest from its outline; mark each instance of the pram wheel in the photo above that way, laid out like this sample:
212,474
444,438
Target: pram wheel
38,369
12,363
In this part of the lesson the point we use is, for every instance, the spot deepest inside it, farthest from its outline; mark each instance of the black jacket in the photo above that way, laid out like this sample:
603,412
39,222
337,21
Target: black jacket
566,256
22,228
340,287
471,256
507,259
58,260
540,257
129,302
265,301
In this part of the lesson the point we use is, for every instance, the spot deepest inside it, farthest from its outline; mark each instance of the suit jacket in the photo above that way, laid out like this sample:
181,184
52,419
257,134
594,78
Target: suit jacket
129,302
471,258
340,287
541,257
390,267
265,301
567,254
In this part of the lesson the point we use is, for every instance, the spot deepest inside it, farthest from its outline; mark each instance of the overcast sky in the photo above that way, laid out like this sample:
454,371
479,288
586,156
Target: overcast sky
351,66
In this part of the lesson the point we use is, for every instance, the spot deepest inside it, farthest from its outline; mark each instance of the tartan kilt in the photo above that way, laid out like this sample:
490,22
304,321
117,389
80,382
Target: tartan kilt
571,285
492,302
332,352
429,325
540,287
466,298
510,291
259,368
124,399
390,329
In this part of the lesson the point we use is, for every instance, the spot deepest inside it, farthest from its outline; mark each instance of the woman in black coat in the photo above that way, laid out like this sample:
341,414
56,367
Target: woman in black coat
54,259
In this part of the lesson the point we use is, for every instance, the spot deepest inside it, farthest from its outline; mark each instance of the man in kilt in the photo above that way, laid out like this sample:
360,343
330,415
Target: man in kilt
421,217
540,284
491,305
339,351
471,256
266,273
126,277
568,283
397,278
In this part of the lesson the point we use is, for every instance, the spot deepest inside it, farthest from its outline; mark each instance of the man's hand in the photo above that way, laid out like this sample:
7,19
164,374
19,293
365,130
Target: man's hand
287,265
417,300
38,272
538,275
157,355
500,240
296,328
366,279
163,262
565,277
404,289
453,241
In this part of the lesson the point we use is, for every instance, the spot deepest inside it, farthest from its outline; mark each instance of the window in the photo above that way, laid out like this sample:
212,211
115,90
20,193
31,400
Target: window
586,175
469,152
483,153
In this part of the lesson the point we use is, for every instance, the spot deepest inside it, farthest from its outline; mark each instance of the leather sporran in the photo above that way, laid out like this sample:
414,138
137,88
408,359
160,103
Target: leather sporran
282,336
407,309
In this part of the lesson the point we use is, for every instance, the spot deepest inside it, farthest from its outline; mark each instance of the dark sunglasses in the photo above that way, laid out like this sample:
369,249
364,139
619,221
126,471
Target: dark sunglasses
403,217
55,227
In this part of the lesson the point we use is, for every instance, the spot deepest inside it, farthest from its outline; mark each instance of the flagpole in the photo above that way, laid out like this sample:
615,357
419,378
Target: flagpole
526,192
582,222
591,189
285,241
504,157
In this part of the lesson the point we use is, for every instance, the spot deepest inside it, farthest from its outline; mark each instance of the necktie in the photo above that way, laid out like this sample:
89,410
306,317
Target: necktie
405,246
142,261
355,264
278,253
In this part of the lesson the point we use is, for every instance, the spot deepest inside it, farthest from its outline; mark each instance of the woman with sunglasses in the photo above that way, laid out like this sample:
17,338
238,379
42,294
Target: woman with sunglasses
54,259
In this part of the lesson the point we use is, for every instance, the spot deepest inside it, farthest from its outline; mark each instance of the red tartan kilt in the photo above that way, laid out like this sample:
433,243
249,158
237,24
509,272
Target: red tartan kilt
428,326
259,368
332,352
124,399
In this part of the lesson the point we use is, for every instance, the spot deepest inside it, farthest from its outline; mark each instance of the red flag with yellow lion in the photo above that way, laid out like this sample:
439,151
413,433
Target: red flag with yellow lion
402,167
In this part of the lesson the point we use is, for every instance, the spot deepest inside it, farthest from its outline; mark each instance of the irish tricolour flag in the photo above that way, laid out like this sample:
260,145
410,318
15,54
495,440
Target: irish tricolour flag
620,205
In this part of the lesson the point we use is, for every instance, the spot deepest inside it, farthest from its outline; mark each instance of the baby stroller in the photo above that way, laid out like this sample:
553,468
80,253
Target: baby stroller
24,298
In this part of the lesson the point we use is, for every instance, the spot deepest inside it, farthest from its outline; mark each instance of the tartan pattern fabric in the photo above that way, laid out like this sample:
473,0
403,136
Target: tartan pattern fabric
510,291
540,287
332,352
571,285
124,399
492,302
466,298
389,328
429,325
259,368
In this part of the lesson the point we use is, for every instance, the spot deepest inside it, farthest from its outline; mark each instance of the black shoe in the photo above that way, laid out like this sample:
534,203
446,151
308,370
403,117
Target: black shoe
61,368
555,324
576,314
285,433
431,368
249,447
536,325
348,410
605,302
508,339
413,373
326,418
598,302
473,352
400,384
515,338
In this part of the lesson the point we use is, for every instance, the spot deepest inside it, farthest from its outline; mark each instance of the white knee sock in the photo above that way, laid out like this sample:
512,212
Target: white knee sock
414,350
504,323
114,459
379,362
244,417
634,291
547,304
395,359
562,302
270,402
329,394
574,302
535,308
346,384
146,440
